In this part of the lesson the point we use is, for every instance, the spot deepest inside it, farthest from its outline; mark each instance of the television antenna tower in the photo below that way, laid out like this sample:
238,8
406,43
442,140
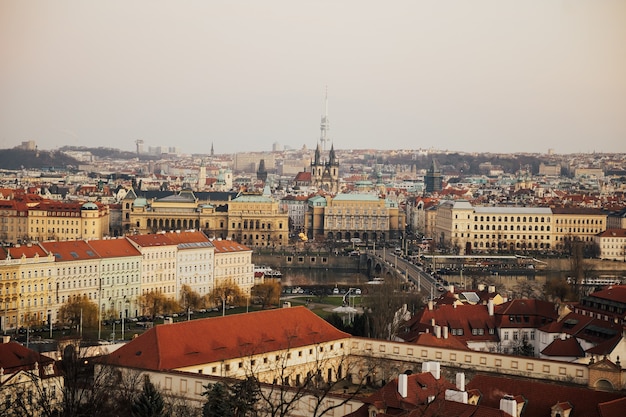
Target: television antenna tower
325,125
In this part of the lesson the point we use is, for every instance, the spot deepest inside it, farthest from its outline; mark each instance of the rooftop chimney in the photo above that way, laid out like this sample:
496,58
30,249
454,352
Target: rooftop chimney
403,385
430,305
490,307
445,332
481,287
491,289
433,367
451,288
460,381
438,331
508,405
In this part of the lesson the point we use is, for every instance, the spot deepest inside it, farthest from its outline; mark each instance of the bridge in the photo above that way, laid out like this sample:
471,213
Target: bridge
383,263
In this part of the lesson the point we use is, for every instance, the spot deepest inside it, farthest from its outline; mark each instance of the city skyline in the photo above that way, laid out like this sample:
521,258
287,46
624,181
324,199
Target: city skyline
481,77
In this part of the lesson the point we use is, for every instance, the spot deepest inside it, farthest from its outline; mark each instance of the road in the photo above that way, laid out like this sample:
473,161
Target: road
414,273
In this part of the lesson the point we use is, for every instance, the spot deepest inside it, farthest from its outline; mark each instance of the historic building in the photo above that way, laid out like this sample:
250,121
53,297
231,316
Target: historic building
432,179
612,244
252,219
233,265
325,173
577,224
23,221
468,228
347,216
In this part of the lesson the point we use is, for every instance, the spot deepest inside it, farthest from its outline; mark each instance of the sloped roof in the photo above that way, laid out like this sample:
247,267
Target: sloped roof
157,239
458,317
184,238
419,388
71,250
16,252
113,248
568,347
615,293
226,246
541,396
614,408
14,357
202,341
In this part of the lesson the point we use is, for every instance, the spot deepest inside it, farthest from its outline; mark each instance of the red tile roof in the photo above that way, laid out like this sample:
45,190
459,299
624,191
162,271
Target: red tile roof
612,293
16,252
614,408
196,342
568,347
113,248
419,388
187,237
225,246
541,396
70,250
157,239
14,357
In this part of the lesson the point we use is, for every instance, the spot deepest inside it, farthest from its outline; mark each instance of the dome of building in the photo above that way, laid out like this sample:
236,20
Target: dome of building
89,206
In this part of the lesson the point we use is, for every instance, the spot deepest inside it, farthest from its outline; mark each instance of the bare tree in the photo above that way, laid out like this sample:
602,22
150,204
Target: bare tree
285,380
383,303
226,293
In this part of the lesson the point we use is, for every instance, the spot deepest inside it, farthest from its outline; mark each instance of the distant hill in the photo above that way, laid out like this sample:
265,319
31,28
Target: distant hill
112,153
22,159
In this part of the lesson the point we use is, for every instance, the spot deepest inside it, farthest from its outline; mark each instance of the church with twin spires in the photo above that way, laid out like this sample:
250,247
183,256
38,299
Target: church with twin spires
325,172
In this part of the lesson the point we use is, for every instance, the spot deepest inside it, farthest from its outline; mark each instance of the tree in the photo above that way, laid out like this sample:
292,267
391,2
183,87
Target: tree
235,400
149,403
189,299
267,293
557,289
219,401
80,307
226,293
154,303
383,305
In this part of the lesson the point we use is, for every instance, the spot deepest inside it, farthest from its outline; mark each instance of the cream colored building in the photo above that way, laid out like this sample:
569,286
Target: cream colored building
254,220
27,284
13,221
233,264
76,272
158,269
52,220
119,278
195,261
347,216
577,224
612,244
514,229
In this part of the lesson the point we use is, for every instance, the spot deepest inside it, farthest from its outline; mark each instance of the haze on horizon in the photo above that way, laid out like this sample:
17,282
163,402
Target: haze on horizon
479,76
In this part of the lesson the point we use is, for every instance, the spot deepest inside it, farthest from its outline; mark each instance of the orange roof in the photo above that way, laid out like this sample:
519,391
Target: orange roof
158,239
70,250
225,246
187,237
202,341
113,248
29,251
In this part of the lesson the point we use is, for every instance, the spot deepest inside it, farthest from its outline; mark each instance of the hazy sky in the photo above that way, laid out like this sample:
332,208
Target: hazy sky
479,75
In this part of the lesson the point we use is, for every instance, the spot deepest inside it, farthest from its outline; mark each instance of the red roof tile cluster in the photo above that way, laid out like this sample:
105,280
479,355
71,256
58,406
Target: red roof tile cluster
113,248
540,396
525,313
225,246
197,342
16,252
14,358
466,317
421,387
71,250
568,347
